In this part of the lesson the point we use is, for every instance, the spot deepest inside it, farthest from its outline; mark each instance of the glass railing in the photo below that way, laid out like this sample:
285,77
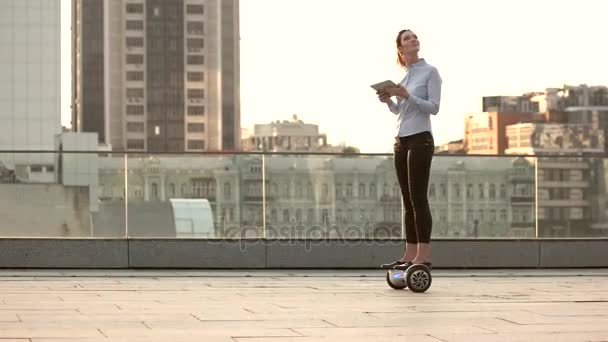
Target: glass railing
286,196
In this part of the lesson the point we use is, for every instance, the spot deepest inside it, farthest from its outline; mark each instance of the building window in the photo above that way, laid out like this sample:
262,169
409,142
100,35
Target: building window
227,191
135,110
135,59
135,25
503,215
135,92
492,191
286,215
432,190
195,44
135,42
273,215
195,9
135,144
309,190
196,127
171,190
198,94
480,188
195,27
135,76
196,144
195,60
361,190
349,190
196,76
135,8
286,190
457,191
469,190
196,110
324,190
135,127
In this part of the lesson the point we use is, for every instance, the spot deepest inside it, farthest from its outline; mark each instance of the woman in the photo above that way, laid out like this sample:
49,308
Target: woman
418,96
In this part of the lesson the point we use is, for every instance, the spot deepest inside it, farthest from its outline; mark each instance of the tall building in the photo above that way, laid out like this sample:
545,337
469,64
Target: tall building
157,75
30,77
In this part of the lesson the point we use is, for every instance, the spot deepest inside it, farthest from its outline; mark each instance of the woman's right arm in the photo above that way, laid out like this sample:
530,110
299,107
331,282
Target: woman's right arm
392,106
386,98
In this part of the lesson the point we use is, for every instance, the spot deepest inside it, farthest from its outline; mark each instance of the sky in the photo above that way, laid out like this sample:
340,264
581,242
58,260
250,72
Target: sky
317,58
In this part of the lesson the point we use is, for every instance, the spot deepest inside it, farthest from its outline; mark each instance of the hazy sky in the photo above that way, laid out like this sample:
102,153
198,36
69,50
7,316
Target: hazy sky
317,58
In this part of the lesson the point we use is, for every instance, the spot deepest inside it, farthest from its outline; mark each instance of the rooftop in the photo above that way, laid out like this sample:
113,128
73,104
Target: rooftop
301,305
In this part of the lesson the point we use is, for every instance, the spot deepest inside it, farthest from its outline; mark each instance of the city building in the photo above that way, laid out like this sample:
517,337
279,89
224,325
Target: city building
452,147
484,133
571,189
343,196
157,75
526,103
286,136
30,77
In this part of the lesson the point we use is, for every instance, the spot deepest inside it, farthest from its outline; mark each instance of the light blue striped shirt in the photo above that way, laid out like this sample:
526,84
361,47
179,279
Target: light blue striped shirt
423,83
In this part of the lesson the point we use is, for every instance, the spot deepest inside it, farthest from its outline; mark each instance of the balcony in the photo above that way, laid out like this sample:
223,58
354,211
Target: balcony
118,210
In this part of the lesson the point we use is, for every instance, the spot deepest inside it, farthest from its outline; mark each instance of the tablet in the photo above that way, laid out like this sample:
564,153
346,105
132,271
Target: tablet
383,84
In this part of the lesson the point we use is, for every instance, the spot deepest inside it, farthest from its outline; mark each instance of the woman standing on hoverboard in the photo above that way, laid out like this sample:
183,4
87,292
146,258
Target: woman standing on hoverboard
417,97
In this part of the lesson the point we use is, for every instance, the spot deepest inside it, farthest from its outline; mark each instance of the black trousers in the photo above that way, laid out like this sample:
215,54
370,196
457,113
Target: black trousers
413,156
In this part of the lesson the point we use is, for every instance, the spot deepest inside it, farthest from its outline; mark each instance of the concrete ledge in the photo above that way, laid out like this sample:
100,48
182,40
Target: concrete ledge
63,253
573,253
332,253
273,253
196,253
485,253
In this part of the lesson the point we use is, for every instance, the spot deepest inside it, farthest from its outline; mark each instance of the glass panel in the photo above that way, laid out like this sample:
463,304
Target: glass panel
572,197
201,196
326,196
482,197
110,221
59,195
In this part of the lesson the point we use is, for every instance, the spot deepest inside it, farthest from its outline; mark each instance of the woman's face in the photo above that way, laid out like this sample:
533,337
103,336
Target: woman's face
408,43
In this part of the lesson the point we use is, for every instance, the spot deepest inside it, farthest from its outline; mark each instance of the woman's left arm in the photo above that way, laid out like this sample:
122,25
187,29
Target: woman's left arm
430,106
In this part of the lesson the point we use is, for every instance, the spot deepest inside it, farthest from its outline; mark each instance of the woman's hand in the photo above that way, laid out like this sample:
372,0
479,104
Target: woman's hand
384,96
399,90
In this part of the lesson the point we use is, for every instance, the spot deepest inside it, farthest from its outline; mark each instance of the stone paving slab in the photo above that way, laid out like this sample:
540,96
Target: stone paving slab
301,305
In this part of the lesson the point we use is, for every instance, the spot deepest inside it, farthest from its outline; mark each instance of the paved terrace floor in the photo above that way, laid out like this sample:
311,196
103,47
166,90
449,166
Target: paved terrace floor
301,306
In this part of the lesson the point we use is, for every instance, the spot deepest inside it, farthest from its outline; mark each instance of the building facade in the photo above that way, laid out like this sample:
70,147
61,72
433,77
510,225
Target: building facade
157,75
523,104
286,136
343,196
485,132
571,189
30,77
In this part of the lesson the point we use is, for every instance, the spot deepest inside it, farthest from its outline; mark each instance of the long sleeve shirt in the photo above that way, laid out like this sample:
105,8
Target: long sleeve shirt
423,83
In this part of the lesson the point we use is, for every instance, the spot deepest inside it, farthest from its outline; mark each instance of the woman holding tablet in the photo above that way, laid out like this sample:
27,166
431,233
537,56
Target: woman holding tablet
417,98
